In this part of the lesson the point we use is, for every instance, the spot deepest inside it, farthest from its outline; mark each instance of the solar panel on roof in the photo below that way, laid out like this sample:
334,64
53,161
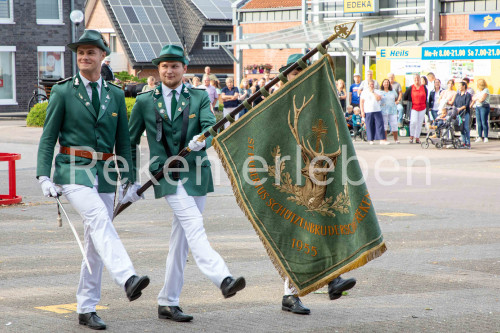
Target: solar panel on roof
146,27
148,51
141,14
153,18
137,52
132,17
214,9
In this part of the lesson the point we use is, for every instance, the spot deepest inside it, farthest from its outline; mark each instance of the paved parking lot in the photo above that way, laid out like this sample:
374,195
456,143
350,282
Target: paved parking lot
438,210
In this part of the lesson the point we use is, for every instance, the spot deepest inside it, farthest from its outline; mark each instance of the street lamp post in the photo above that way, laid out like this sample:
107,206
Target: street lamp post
76,18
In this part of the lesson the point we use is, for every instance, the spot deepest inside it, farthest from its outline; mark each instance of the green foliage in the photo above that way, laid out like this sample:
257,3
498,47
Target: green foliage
218,115
36,116
124,76
129,102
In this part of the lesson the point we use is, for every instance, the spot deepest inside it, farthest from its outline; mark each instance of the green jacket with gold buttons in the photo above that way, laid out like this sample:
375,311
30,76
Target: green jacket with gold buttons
196,174
72,120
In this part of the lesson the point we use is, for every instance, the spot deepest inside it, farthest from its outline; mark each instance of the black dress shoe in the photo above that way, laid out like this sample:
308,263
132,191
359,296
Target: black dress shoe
338,285
230,286
91,320
134,285
173,313
293,304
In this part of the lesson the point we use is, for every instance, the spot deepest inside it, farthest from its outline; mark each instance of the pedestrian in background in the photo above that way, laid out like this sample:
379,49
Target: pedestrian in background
354,90
462,103
481,101
434,96
416,95
245,92
368,77
399,105
389,110
342,92
229,97
211,91
106,70
372,113
151,84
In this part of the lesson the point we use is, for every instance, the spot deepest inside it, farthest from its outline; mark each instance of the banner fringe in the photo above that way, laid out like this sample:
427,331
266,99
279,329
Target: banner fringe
360,261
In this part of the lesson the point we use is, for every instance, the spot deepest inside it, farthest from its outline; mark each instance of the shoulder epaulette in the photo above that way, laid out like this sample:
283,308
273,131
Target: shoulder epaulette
64,80
114,84
196,88
143,92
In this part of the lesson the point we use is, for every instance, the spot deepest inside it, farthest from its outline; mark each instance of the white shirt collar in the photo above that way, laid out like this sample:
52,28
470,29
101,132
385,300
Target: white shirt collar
86,82
166,90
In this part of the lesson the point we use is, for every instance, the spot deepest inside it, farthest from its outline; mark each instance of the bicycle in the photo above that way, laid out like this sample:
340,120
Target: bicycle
37,97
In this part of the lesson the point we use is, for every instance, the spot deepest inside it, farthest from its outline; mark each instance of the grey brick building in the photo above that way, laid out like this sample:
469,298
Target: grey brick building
33,36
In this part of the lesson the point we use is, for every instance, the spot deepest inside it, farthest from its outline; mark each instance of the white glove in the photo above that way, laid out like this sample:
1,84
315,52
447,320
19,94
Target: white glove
131,194
49,189
196,145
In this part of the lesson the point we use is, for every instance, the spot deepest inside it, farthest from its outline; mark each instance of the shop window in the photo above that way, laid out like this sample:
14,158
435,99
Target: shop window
7,75
209,40
50,62
49,12
6,15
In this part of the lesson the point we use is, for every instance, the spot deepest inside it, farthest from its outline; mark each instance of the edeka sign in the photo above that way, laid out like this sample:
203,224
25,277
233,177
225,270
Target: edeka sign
483,22
360,6
398,53
461,52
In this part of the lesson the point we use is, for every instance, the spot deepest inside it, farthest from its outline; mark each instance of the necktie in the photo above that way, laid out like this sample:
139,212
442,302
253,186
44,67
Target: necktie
173,104
95,97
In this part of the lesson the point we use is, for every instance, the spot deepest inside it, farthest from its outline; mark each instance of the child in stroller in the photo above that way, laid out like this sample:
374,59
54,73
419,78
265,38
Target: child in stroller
442,133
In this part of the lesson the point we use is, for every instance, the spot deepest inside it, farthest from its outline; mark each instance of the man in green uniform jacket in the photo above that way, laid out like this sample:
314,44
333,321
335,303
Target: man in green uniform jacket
89,118
172,114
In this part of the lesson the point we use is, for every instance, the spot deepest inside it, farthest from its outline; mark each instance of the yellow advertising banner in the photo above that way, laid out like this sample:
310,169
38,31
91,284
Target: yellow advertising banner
360,6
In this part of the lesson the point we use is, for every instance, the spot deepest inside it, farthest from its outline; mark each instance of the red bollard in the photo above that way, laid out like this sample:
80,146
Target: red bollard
11,198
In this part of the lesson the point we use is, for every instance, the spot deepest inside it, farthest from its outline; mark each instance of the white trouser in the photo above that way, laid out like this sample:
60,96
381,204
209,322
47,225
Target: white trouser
390,122
188,233
288,290
416,121
101,244
227,111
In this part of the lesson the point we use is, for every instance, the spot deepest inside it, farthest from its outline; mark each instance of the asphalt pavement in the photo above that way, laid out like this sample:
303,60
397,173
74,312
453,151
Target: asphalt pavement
438,210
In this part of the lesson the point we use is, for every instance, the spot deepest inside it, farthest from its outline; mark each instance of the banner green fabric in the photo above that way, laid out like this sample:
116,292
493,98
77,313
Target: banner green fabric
292,165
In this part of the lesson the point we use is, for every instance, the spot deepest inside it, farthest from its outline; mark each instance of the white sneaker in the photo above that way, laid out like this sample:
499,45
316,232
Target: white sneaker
371,142
485,140
384,142
479,139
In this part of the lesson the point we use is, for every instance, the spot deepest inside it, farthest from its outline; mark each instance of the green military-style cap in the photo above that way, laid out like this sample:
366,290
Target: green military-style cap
291,60
91,37
171,53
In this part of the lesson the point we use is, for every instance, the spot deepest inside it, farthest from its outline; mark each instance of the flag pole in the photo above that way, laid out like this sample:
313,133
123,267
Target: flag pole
341,31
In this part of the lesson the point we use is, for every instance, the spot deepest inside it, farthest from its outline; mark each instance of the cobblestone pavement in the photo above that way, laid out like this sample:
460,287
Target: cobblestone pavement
441,273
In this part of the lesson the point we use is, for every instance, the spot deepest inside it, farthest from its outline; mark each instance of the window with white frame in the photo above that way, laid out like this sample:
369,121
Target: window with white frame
112,43
209,40
50,62
49,12
229,38
7,75
6,15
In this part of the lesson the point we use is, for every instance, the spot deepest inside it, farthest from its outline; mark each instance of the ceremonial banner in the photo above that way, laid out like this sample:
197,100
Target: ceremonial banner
294,174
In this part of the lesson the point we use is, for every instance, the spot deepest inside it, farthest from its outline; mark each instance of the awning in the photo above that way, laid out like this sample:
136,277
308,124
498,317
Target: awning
310,34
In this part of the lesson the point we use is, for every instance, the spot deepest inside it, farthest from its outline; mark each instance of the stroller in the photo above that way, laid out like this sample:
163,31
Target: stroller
444,135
